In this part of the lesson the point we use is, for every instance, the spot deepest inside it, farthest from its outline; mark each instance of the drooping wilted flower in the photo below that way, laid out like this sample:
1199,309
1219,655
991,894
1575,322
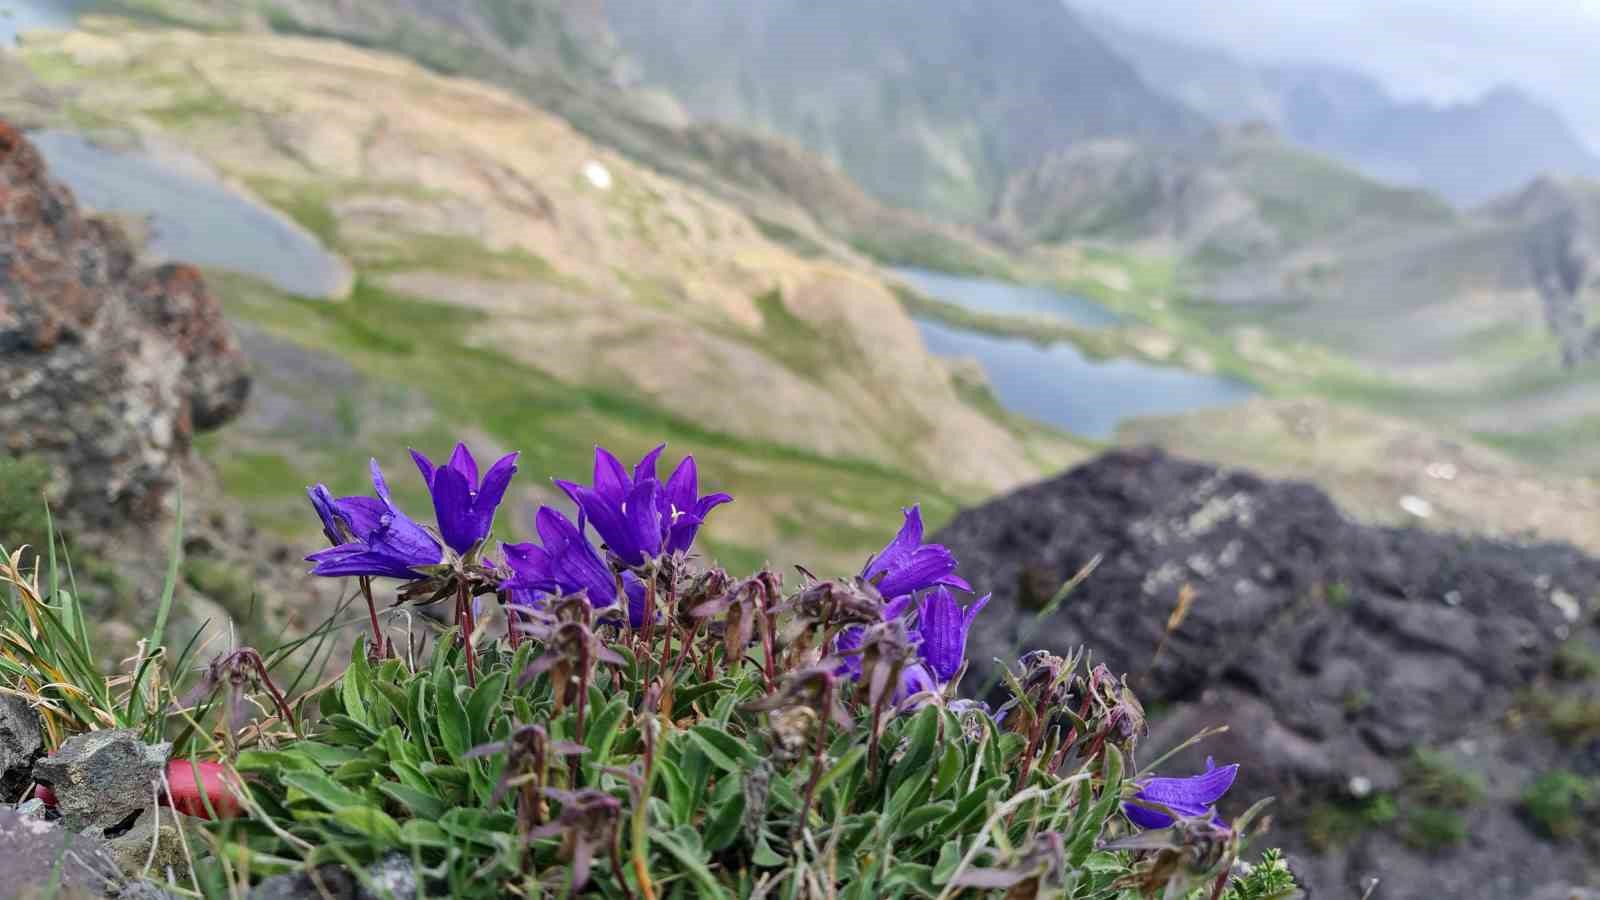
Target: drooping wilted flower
943,625
566,564
906,564
377,539
463,505
1115,708
587,823
1186,797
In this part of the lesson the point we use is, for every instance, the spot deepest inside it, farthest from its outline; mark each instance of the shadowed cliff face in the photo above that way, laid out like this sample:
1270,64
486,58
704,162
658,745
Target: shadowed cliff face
106,369
1335,652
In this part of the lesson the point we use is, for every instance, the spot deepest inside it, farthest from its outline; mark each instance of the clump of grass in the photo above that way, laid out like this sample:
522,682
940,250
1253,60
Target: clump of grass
1575,660
1432,828
1336,823
1434,778
23,481
1556,801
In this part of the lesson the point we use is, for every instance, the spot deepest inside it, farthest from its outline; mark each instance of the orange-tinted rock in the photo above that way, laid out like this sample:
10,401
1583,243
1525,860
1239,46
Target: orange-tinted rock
106,369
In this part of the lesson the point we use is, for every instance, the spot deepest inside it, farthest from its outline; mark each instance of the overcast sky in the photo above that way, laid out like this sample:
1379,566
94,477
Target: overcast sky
1436,49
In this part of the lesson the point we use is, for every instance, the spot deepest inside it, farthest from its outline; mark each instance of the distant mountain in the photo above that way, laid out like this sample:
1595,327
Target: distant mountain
1247,196
1469,152
929,104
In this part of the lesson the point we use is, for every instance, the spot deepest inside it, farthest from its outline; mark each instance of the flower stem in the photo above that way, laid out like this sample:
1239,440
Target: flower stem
464,619
816,756
372,610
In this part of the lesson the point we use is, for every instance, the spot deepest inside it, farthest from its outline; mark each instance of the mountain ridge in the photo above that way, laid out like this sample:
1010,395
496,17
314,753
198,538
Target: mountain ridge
1470,151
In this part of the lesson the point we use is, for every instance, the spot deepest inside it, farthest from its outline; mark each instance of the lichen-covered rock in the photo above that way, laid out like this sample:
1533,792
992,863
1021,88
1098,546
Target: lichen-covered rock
102,778
106,370
132,848
29,848
391,878
21,742
1332,650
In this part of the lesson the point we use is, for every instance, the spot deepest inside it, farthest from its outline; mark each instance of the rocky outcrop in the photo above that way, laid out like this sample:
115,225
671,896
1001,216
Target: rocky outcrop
1561,246
1335,652
106,369
103,780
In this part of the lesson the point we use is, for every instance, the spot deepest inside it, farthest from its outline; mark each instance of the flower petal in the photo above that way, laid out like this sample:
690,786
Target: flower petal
333,522
461,460
424,465
644,519
683,486
1199,791
364,514
610,478
634,589
647,466
906,540
379,485
943,625
452,507
923,567
492,491
607,520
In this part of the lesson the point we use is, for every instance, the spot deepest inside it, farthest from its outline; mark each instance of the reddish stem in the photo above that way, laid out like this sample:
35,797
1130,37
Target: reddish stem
372,610
464,619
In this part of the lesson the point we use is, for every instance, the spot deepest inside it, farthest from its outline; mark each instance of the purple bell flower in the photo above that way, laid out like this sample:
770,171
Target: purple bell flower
943,626
1188,797
906,564
682,508
463,505
567,564
633,589
637,516
372,536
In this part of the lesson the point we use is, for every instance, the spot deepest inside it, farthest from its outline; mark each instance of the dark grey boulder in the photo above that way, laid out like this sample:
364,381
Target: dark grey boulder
1333,650
103,778
30,849
21,742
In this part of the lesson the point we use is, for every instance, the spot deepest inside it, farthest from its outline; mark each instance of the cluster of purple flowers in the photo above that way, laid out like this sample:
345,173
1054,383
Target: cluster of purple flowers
638,519
642,521
915,579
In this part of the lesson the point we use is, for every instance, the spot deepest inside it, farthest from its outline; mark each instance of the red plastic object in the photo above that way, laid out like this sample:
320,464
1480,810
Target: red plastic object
218,785
43,792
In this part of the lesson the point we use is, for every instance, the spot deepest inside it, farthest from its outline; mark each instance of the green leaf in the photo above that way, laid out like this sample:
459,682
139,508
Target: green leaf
1102,863
911,793
421,804
483,705
321,788
949,861
914,821
840,768
763,855
424,833
603,731
727,815
921,737
370,821
951,768
969,809
270,762
723,749
454,731
693,861
677,789
352,687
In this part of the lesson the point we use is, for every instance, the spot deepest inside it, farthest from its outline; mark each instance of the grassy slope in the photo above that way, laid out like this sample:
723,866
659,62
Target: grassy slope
421,378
